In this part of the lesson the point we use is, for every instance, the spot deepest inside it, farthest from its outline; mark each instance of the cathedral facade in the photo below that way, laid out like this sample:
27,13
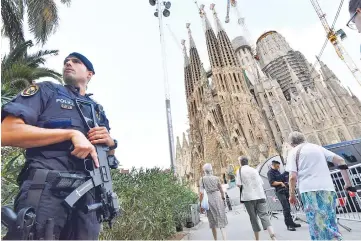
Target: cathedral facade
245,106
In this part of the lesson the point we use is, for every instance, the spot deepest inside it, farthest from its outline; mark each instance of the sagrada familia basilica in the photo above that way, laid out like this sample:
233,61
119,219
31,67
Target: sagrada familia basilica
248,106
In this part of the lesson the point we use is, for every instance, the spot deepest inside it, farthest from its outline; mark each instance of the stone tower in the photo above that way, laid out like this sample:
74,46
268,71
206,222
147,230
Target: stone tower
275,53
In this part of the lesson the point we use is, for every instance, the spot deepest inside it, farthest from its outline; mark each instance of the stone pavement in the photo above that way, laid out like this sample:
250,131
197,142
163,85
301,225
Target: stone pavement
239,228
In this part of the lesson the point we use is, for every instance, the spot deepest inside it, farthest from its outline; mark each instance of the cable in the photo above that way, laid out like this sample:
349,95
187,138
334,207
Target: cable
338,12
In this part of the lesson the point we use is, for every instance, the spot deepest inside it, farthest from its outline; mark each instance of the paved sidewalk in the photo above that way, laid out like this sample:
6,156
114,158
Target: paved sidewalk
239,228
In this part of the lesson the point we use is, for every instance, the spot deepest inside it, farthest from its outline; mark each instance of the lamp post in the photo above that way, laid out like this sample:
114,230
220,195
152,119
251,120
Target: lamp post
162,9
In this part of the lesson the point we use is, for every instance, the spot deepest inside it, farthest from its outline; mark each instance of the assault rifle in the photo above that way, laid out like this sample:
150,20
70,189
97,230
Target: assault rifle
107,205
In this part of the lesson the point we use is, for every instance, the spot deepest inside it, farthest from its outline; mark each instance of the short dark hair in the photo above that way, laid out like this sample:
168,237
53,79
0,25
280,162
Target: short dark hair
243,160
353,5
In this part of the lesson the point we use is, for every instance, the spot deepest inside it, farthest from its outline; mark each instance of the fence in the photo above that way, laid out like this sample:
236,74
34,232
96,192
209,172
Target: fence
348,205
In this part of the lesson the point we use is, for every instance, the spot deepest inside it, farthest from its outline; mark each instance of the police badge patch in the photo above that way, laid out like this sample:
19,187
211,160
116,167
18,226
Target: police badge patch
30,90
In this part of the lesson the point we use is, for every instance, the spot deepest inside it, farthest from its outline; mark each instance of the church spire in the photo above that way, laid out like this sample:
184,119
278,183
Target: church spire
211,40
191,40
186,58
206,23
228,55
195,61
219,26
188,83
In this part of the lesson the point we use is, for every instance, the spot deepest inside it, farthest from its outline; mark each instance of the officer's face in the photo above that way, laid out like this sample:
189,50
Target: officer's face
276,166
75,72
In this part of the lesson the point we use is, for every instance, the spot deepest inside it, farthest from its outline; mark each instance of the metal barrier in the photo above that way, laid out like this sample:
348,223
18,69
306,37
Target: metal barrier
275,206
348,203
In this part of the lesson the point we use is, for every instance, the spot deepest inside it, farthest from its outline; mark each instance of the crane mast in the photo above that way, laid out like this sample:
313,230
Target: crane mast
241,22
336,42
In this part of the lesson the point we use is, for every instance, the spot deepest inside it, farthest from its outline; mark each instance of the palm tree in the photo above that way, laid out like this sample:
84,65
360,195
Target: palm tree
19,69
43,19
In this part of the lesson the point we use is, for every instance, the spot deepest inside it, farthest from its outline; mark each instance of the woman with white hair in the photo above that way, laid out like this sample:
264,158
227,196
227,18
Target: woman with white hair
216,214
307,163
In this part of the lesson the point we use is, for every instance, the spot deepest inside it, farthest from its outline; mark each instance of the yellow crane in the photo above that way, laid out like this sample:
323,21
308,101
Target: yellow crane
335,39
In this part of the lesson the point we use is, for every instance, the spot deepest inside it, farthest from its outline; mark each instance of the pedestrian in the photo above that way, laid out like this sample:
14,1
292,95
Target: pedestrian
44,120
354,9
253,197
216,214
280,183
307,164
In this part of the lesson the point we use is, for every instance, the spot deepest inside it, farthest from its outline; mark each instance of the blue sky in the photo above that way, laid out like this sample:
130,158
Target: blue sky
121,39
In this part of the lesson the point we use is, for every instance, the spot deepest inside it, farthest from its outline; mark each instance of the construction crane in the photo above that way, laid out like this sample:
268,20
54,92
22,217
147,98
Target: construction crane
335,39
241,22
175,38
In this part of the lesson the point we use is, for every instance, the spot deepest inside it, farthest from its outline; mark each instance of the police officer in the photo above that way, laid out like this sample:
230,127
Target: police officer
279,181
44,120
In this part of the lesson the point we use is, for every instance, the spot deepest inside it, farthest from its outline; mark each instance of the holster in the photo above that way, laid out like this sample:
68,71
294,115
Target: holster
20,226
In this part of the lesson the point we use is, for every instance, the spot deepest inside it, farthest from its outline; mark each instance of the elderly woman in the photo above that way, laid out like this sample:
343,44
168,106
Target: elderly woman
216,214
307,163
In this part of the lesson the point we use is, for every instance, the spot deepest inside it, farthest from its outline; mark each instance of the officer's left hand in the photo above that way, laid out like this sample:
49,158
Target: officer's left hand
100,135
292,199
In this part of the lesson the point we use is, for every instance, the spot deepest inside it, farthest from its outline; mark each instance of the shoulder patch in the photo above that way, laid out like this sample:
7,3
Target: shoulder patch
30,90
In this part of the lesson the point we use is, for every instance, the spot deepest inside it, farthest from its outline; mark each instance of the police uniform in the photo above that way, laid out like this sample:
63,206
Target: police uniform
282,194
50,105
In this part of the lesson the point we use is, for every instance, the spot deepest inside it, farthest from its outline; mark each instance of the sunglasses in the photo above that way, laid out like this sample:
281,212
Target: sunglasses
351,23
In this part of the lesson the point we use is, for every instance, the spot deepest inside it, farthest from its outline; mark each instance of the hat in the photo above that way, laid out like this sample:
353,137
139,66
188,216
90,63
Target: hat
84,60
276,162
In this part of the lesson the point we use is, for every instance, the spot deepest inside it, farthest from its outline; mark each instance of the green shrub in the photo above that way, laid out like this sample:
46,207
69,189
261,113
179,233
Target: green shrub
11,164
153,203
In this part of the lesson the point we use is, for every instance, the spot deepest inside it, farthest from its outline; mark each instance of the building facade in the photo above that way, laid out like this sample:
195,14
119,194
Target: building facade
247,107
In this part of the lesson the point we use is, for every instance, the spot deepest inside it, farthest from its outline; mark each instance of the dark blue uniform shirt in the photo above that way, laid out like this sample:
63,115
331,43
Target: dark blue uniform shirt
53,106
276,176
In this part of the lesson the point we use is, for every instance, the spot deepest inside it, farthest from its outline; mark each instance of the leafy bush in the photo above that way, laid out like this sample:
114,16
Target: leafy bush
153,203
12,162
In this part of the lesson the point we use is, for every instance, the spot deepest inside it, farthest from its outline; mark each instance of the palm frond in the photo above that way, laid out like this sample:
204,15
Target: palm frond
17,70
18,53
37,59
66,2
43,18
12,17
6,96
19,84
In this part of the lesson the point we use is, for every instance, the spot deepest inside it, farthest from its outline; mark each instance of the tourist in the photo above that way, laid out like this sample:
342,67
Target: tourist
307,163
253,197
216,214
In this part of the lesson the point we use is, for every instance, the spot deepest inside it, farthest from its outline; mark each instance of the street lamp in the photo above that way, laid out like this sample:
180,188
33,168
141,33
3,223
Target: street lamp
163,7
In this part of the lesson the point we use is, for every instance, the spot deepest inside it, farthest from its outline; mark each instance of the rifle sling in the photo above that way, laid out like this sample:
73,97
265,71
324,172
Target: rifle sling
37,188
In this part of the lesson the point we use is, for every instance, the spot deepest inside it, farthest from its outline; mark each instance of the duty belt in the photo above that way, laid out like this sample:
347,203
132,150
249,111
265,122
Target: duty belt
57,180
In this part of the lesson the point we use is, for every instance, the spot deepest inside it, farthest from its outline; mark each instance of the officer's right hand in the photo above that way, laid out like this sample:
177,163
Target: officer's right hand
83,147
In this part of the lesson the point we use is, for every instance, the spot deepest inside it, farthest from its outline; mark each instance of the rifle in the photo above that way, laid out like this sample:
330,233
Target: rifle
107,205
